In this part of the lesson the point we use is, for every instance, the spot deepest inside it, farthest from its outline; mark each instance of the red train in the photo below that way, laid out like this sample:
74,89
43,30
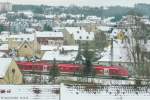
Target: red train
109,71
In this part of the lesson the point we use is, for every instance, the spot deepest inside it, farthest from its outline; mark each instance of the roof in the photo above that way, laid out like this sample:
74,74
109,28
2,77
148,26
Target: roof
18,37
30,30
4,62
66,47
49,34
104,28
80,33
70,47
3,47
48,48
50,55
2,54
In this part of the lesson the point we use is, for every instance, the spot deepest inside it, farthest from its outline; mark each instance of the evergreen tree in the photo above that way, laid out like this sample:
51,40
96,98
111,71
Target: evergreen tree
47,28
88,70
54,72
2,28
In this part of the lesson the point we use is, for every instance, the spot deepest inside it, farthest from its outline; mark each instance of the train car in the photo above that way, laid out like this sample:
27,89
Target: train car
34,66
69,68
112,71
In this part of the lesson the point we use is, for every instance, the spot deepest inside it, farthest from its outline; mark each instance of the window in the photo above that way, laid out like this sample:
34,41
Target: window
80,37
87,37
25,46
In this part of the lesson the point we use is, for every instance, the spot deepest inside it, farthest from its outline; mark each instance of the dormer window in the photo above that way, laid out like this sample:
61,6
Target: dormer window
25,46
87,37
80,37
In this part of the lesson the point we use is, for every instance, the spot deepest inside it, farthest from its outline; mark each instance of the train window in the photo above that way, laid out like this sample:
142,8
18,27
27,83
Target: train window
106,71
101,71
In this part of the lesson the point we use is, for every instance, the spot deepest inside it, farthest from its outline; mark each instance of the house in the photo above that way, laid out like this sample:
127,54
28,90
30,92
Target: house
66,48
5,6
50,38
62,54
3,54
24,44
9,72
119,54
25,49
74,34
4,48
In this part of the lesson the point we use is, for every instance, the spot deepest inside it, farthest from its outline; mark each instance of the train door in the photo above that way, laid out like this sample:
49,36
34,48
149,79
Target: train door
45,68
106,72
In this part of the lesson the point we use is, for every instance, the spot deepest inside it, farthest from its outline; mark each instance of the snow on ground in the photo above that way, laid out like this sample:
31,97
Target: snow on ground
73,92
105,93
28,92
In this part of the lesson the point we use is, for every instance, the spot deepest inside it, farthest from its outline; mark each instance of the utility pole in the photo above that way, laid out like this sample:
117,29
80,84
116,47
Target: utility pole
111,52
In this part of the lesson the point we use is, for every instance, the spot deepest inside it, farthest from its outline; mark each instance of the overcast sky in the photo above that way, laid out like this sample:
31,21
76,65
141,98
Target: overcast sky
97,3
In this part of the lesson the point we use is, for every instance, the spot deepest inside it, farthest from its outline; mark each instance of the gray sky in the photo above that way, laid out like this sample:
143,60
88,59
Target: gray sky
80,2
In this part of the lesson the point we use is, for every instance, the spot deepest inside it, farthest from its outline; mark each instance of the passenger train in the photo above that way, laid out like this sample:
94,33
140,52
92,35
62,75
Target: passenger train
108,71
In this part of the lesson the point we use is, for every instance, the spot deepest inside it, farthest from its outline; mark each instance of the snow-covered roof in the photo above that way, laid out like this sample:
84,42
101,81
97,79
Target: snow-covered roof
18,37
48,47
50,55
3,17
69,21
30,30
4,47
49,16
4,37
66,48
49,34
104,28
121,53
4,62
28,13
70,47
2,54
23,37
57,29
5,32
80,33
93,18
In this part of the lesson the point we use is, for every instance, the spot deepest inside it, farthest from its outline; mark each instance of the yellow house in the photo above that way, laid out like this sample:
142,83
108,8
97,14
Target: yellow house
121,36
9,72
25,50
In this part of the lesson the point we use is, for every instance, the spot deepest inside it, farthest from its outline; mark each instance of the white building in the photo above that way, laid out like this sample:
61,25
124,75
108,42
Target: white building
79,33
5,6
61,54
